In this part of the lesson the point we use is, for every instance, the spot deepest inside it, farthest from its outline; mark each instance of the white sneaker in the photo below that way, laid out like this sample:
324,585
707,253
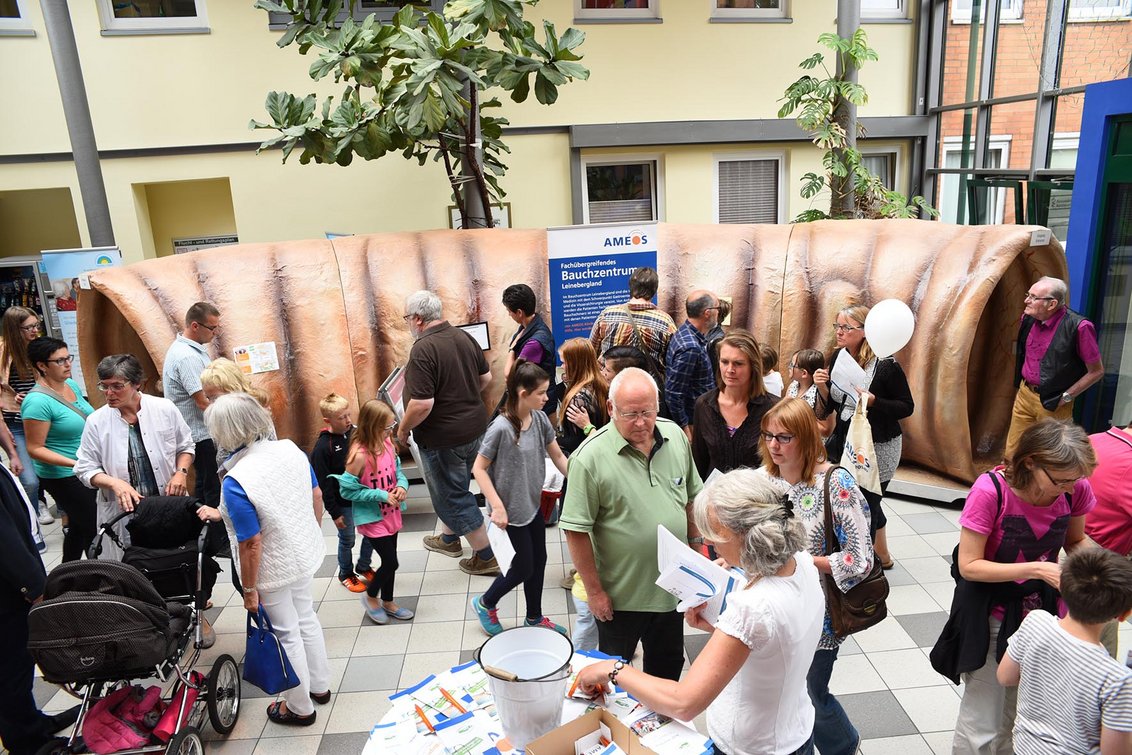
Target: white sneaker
45,517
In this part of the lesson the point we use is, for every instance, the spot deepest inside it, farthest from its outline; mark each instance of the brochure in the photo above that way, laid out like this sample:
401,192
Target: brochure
848,375
692,578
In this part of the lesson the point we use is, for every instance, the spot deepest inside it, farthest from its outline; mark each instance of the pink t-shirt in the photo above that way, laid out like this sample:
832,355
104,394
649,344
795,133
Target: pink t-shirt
380,473
1110,523
1021,531
1040,337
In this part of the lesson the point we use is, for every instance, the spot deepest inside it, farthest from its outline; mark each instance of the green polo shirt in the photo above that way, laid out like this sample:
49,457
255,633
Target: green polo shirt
619,496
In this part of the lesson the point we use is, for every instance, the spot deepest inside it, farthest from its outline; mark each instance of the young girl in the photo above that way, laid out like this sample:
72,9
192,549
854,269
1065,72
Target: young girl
510,470
377,487
803,365
772,378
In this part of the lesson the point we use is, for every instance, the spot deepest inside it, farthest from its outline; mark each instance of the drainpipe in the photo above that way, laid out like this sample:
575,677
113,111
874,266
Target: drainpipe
80,128
848,21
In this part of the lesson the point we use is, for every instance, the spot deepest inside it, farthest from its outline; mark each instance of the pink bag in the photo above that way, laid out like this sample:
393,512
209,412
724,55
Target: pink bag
122,720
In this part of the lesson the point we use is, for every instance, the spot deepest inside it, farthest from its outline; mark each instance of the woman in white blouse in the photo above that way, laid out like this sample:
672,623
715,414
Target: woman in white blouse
135,446
751,675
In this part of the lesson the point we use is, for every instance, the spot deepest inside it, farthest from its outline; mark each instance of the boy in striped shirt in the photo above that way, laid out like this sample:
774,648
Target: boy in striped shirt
1072,696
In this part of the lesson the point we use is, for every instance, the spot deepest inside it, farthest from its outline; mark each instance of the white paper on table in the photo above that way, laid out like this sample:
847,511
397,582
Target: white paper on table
848,375
500,544
691,577
675,737
470,733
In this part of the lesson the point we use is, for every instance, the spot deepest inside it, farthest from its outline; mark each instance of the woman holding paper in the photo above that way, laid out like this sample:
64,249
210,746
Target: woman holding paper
750,677
794,458
726,420
888,399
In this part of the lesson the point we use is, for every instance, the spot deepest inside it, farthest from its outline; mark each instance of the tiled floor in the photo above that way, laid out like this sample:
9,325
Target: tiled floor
883,678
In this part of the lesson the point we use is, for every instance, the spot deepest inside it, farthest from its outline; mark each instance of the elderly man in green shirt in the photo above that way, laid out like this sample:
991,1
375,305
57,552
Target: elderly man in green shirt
626,478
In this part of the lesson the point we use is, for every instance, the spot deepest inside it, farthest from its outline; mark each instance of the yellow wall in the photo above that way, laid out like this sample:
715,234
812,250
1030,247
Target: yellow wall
37,219
187,209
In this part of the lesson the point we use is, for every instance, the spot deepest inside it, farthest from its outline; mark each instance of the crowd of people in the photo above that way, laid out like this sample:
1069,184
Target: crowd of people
688,427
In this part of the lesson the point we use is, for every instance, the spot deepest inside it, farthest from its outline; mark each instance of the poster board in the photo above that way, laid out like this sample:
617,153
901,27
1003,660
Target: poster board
589,270
392,392
196,243
68,272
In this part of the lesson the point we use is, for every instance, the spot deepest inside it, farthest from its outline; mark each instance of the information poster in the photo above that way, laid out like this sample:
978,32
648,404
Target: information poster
67,271
257,357
589,271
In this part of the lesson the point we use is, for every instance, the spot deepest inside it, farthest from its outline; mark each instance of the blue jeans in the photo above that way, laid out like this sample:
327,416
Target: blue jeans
347,536
448,474
28,477
585,626
834,734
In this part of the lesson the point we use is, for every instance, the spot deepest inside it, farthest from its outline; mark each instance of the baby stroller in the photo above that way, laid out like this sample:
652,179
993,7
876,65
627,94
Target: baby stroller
102,624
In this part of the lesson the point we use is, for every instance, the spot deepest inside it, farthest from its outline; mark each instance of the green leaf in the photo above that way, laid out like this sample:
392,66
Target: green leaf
573,70
545,91
521,89
812,62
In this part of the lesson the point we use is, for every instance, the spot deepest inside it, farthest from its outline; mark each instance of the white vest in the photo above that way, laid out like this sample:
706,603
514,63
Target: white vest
276,476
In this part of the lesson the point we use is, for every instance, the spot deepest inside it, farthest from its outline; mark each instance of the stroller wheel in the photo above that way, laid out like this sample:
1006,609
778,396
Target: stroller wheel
223,694
186,742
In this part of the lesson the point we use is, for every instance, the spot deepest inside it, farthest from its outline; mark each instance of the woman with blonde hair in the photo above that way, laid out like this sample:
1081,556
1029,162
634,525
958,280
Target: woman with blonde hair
727,420
223,376
20,327
889,400
794,457
583,406
1014,524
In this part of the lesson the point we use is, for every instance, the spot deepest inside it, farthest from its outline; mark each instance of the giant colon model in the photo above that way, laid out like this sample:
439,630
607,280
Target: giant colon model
334,308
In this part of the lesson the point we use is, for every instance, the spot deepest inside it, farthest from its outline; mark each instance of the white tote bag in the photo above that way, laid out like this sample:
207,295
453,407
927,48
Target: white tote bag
860,456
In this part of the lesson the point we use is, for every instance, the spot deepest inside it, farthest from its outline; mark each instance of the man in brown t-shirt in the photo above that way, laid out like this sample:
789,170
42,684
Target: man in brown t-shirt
444,377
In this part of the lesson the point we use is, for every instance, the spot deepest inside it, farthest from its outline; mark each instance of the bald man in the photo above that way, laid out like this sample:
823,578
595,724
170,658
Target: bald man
689,374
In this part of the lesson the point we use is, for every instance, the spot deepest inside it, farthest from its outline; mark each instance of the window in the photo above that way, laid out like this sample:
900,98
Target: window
383,9
1063,152
152,16
874,9
748,10
616,10
14,18
882,165
997,156
748,188
961,10
1099,10
621,191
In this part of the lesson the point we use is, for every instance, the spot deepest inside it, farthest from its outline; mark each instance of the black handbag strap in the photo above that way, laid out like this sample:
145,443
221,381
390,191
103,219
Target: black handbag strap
831,544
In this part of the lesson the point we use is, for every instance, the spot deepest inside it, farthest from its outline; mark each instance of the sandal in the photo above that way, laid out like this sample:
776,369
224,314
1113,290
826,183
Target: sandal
286,717
887,565
322,698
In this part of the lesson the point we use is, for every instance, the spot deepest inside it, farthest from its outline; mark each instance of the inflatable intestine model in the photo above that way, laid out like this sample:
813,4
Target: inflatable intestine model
334,308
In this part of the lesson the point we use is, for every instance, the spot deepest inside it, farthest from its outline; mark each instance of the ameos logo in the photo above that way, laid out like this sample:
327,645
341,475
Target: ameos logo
631,239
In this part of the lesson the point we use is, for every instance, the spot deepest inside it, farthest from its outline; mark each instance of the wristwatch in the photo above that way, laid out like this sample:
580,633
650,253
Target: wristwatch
249,590
1066,397
182,470
617,666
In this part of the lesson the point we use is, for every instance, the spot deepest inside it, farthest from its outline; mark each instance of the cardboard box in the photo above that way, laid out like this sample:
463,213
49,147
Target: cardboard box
561,740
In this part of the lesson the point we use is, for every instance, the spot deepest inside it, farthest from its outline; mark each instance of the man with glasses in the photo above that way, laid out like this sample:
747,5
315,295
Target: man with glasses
1056,358
626,478
689,374
184,362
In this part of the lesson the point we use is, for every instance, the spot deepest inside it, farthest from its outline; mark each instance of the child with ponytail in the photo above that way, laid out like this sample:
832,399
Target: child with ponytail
510,470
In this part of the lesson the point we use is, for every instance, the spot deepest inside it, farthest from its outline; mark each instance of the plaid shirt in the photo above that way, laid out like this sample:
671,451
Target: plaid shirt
689,374
614,327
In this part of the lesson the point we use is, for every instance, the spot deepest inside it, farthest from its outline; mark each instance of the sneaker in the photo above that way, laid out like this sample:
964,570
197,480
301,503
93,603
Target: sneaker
489,617
477,567
45,517
545,622
402,613
568,581
376,615
436,544
366,575
352,583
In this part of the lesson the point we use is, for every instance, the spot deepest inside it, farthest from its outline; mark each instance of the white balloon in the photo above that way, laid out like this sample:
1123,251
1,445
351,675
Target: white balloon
888,327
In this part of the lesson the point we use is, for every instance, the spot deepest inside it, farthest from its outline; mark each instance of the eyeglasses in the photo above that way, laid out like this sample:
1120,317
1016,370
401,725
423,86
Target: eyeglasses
391,427
1060,483
846,328
111,387
648,414
209,328
1031,297
782,438
61,361
31,328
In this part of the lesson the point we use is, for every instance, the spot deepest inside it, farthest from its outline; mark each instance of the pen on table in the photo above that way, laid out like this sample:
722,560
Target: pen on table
424,718
449,698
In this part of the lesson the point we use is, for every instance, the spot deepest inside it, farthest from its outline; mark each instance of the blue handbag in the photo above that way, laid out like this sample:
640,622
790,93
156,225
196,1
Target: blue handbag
265,662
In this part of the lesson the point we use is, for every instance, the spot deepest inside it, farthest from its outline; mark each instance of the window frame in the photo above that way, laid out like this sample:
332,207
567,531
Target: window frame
955,144
279,21
632,158
778,155
20,26
1122,11
900,12
782,13
619,15
894,153
1011,13
197,24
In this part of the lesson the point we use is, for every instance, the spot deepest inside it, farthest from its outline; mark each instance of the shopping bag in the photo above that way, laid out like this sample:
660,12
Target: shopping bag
265,662
860,456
